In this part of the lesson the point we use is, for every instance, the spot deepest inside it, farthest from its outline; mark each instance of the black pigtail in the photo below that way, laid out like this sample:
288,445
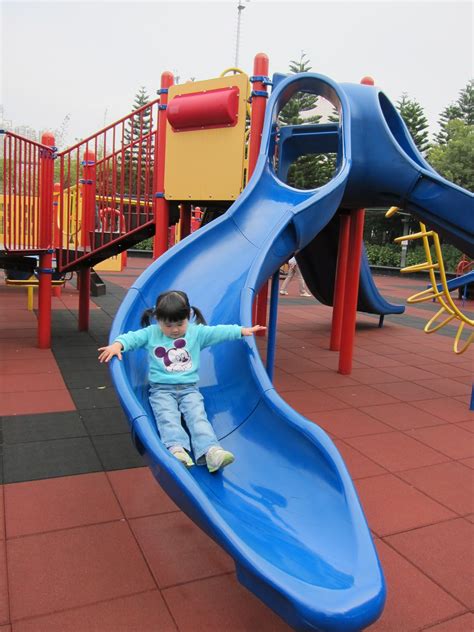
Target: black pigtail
198,317
145,320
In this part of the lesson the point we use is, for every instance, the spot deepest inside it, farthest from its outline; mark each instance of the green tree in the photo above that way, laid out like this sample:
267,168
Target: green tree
450,113
462,110
138,153
301,101
466,103
311,170
416,121
454,159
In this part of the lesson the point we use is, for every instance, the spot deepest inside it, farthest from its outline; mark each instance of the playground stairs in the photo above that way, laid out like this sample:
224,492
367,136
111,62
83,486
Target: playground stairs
83,205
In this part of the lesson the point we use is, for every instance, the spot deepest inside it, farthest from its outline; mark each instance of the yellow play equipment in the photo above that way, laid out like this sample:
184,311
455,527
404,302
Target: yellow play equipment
206,138
27,216
438,291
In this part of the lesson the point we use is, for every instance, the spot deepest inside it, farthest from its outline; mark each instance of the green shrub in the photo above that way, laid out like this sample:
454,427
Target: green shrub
372,251
451,256
387,255
146,244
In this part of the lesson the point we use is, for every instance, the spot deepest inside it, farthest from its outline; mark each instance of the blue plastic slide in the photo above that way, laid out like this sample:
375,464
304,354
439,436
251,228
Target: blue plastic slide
286,510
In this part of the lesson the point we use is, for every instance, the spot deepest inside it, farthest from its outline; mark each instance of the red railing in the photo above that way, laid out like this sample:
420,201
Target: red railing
27,188
106,185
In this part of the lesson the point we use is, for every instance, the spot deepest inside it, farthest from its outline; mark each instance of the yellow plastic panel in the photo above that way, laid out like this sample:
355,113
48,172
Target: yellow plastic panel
112,264
207,164
24,216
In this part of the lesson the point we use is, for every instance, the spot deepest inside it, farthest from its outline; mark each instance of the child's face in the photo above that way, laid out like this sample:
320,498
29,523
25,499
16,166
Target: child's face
175,329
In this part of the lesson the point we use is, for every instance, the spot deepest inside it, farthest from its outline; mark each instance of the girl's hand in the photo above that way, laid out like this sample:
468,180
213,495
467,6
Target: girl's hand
115,349
249,331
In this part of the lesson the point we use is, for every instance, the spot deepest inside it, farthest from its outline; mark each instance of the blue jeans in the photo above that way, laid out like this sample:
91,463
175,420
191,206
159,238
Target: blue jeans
169,402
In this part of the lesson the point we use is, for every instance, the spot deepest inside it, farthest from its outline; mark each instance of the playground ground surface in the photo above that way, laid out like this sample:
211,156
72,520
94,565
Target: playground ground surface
90,543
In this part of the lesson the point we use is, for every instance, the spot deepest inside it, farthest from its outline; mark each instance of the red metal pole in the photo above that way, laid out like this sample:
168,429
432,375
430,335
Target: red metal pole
340,281
356,234
88,198
84,285
45,269
160,205
88,226
259,104
351,291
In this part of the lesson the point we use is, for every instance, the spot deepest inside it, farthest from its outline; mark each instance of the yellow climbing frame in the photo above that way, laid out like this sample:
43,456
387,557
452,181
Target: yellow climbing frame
448,308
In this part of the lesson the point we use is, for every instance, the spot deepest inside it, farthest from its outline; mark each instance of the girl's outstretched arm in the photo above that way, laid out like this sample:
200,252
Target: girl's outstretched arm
108,352
249,331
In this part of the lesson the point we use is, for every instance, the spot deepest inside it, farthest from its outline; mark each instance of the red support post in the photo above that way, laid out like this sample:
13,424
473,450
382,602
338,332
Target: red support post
88,198
84,287
351,291
184,220
56,222
160,205
45,269
88,226
340,281
259,104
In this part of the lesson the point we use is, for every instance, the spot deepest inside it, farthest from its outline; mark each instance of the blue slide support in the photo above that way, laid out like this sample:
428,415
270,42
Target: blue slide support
286,510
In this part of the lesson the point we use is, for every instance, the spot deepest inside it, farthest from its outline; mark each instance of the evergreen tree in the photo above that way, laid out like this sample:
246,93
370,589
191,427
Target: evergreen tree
138,143
334,116
450,113
301,101
416,121
312,170
466,103
462,110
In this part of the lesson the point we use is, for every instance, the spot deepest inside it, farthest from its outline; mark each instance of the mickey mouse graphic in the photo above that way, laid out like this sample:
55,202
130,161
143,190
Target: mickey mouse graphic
176,359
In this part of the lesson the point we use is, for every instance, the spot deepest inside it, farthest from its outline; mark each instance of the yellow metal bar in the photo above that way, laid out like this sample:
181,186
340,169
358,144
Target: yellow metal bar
393,210
30,294
413,236
424,296
458,338
111,198
420,267
231,69
429,330
444,296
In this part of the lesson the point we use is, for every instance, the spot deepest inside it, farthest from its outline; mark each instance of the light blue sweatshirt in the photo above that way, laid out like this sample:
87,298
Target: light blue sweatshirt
176,361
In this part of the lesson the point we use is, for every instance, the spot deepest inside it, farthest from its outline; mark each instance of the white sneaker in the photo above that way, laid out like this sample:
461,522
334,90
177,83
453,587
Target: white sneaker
217,457
284,292
304,294
180,453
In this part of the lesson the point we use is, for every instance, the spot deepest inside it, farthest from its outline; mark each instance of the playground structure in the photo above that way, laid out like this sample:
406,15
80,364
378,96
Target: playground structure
298,535
441,292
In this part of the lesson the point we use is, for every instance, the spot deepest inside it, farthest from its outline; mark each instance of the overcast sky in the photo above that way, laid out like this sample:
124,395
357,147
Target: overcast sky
88,59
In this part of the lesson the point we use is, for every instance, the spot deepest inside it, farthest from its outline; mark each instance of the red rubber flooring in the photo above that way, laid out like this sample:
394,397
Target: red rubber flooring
107,551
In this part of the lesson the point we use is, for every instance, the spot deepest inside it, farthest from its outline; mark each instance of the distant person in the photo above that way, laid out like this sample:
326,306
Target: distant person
293,269
174,345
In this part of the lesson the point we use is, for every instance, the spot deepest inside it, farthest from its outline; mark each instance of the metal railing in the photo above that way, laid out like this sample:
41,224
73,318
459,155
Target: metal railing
26,215
106,185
